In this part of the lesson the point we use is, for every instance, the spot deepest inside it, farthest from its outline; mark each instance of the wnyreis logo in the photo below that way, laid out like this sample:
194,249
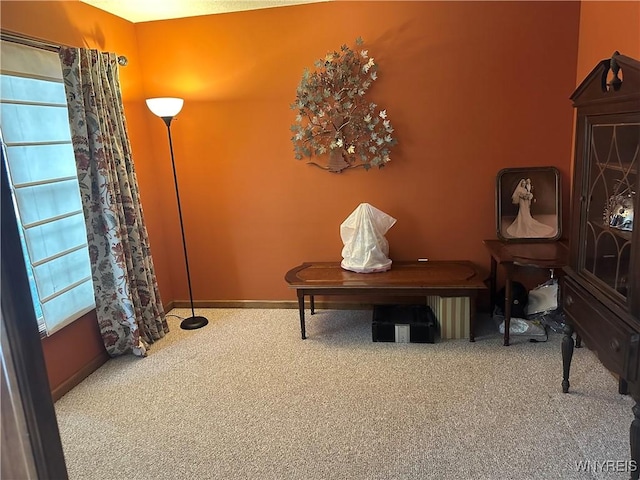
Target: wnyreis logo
606,466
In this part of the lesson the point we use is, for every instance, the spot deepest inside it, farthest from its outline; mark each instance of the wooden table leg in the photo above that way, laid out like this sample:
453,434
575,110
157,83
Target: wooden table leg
493,280
567,355
623,386
472,317
507,310
312,304
301,309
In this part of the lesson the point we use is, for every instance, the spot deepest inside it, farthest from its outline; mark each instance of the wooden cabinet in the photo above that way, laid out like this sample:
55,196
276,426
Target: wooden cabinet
601,297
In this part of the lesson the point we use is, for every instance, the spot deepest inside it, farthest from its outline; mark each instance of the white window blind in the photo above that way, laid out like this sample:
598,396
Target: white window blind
37,148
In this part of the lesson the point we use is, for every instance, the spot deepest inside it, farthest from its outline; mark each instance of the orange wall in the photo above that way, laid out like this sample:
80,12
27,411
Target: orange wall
73,353
604,28
470,87
466,84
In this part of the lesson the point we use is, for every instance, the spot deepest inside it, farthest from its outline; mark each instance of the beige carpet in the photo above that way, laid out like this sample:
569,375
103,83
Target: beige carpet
246,398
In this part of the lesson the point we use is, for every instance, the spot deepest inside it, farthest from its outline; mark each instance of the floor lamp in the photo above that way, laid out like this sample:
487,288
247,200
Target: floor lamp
167,108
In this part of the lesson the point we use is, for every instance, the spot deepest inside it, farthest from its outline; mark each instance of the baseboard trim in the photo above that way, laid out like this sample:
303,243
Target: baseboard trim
288,304
353,304
79,376
169,306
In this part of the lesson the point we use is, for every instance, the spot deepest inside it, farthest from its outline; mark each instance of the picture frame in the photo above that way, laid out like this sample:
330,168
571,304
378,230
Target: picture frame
528,204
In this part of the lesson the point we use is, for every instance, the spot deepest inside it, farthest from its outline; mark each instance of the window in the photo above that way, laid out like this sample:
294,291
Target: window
37,149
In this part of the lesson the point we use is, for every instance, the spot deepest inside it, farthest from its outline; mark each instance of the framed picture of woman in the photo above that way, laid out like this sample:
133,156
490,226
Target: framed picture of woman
528,204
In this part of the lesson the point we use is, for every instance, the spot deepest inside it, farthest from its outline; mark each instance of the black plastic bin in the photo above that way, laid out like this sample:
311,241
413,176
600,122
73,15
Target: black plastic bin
390,323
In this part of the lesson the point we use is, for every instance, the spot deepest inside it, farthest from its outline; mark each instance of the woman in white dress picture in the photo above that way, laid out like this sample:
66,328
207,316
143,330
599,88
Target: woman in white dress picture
525,226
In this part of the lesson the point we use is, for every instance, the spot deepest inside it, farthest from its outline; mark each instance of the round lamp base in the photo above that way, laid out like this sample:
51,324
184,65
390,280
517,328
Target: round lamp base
191,323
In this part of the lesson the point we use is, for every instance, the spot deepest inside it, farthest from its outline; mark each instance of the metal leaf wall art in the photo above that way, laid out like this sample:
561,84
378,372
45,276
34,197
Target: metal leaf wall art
335,122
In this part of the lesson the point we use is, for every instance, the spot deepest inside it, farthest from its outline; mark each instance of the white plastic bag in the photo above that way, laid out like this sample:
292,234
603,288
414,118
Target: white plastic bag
543,299
365,248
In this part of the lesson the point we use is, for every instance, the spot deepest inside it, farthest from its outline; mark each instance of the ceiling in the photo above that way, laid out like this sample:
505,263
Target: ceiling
148,10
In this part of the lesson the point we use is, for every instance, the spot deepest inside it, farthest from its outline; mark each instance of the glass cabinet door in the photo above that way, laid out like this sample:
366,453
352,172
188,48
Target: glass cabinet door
611,179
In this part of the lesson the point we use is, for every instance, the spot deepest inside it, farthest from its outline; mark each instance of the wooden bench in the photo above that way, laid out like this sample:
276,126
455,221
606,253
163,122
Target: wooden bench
443,278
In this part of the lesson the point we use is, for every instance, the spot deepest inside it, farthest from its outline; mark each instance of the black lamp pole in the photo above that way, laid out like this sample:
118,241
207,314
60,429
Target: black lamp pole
192,322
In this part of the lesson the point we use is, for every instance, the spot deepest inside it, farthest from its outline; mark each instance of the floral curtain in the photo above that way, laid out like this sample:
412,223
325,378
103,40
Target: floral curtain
128,306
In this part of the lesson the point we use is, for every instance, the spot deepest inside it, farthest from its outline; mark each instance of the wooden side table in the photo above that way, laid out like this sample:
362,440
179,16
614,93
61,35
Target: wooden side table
511,256
457,278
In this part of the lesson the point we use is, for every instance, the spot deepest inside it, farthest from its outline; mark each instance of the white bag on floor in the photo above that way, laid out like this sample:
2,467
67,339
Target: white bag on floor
543,299
365,248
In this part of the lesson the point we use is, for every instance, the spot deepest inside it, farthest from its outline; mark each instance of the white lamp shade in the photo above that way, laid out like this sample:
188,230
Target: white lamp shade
165,106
